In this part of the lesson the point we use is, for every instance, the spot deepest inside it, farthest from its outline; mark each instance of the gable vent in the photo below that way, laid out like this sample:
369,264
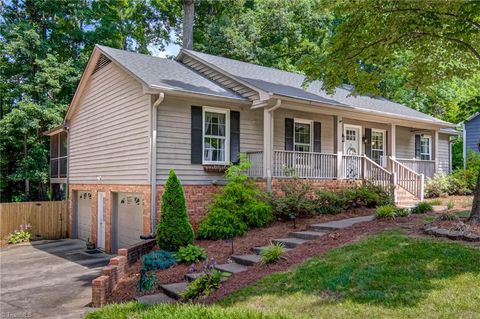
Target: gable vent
102,62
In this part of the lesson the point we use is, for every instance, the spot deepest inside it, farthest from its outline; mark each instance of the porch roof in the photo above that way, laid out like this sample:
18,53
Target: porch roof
290,84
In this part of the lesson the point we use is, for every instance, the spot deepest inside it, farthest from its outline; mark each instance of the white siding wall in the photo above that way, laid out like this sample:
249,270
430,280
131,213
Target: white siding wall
174,139
444,153
279,128
109,132
405,143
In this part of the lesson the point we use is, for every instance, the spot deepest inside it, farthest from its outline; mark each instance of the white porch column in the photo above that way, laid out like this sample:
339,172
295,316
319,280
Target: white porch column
435,143
393,142
267,146
339,147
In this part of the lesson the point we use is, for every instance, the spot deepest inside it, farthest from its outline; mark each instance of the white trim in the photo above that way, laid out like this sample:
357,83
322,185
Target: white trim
303,121
429,137
360,137
227,134
384,150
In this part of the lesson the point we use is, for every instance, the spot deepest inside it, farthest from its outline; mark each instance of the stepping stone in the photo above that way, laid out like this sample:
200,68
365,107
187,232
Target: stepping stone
307,234
290,242
232,268
174,290
258,250
247,260
343,223
192,276
156,299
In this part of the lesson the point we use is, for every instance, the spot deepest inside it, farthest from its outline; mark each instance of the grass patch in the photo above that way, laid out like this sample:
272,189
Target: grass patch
464,214
384,276
179,311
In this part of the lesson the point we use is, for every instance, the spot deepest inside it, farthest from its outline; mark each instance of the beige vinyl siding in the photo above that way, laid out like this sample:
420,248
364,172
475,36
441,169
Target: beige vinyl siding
443,153
279,128
109,132
405,143
174,138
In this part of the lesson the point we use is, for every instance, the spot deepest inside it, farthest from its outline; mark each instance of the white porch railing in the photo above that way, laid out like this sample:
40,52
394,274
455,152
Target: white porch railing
424,167
407,178
377,175
304,165
352,166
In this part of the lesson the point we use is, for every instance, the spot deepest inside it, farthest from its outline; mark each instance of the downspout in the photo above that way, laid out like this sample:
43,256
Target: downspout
270,151
67,187
153,163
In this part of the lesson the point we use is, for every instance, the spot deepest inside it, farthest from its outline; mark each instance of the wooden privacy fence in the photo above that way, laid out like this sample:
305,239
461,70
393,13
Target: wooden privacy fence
48,219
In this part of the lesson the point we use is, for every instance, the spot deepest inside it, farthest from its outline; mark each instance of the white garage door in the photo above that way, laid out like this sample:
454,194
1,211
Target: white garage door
130,219
84,215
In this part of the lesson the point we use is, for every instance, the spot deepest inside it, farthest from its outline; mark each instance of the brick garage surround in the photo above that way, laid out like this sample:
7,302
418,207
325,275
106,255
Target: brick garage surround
108,189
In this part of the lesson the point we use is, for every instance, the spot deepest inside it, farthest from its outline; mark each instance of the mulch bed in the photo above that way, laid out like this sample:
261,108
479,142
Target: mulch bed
221,250
460,229
313,248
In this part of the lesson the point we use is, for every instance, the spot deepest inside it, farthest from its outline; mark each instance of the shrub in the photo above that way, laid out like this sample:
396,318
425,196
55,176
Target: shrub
439,185
297,199
204,285
221,224
436,202
328,202
157,260
20,235
366,196
422,208
147,281
272,253
402,212
450,204
174,229
385,211
190,254
448,216
236,208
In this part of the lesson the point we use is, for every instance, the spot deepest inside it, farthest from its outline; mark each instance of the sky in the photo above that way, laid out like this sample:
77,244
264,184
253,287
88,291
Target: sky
170,50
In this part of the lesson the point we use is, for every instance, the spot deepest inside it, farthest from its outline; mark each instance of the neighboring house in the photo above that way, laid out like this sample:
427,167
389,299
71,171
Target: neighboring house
134,117
471,135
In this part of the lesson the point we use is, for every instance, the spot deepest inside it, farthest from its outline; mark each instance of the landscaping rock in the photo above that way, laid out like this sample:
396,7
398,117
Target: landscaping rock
341,224
174,290
258,250
232,268
156,299
290,242
307,234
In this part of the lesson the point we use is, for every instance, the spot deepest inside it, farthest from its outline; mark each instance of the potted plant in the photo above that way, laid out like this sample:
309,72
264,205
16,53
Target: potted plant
90,245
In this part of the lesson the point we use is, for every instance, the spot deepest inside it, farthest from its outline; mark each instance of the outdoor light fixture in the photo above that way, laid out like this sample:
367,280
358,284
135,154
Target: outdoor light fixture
365,140
343,138
294,218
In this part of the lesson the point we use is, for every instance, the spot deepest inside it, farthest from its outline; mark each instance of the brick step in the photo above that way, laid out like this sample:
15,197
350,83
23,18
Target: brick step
232,268
307,234
258,250
247,260
174,290
290,242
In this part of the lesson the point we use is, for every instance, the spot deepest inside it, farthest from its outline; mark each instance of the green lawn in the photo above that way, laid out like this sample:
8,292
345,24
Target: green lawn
384,276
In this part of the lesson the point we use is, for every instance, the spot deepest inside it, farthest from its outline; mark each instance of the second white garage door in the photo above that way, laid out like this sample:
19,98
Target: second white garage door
84,215
129,219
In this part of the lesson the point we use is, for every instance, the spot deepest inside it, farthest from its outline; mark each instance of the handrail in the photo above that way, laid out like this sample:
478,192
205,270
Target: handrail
414,160
403,166
376,164
297,152
408,179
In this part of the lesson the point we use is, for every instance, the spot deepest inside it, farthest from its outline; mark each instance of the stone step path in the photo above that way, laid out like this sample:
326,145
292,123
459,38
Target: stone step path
240,263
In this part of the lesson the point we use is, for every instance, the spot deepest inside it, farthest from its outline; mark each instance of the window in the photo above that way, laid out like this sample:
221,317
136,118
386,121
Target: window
425,147
58,155
216,127
303,135
378,146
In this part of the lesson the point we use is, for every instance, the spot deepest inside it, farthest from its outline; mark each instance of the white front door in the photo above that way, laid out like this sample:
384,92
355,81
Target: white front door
352,144
101,220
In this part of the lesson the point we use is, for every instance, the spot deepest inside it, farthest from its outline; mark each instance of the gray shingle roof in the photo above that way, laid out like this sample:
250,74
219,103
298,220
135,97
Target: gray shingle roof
166,73
290,84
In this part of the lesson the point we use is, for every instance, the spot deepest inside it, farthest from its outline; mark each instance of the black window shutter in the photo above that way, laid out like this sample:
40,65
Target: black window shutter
368,144
317,137
288,134
417,147
197,132
234,137
386,145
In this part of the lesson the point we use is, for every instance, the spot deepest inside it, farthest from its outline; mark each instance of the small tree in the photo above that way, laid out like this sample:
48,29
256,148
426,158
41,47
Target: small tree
174,229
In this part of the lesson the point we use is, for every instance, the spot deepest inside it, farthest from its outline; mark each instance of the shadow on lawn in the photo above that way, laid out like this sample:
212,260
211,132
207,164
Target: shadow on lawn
390,270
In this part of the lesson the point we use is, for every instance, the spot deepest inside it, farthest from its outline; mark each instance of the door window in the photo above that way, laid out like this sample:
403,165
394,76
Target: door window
378,146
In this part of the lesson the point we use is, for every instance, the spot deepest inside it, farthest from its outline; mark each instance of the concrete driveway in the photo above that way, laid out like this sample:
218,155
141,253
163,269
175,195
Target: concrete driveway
47,279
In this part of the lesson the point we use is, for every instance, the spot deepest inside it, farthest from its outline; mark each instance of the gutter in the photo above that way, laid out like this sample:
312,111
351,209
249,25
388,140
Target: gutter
153,162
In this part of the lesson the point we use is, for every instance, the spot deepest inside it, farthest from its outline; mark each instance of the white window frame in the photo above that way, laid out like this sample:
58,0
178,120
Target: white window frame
303,121
429,137
360,137
384,142
227,135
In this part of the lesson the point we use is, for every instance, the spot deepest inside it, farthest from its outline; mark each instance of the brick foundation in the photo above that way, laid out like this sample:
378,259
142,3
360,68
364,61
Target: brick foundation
108,189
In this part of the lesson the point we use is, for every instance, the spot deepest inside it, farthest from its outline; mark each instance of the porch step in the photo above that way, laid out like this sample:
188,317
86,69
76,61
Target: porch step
290,242
247,260
258,250
308,234
232,268
174,290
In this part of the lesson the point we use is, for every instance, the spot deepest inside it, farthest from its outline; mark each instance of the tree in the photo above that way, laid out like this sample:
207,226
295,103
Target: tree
432,41
188,19
174,229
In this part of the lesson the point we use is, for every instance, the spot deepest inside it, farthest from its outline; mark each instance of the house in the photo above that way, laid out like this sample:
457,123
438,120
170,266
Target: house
134,117
471,135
